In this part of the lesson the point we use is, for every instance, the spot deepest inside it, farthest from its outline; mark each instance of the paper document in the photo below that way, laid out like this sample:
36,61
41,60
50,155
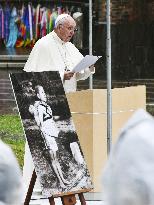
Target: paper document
87,61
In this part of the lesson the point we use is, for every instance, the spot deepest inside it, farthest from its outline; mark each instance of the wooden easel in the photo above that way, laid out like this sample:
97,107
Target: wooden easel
66,200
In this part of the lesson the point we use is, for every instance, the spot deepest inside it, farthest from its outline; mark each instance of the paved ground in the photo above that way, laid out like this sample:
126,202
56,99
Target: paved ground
58,202
91,199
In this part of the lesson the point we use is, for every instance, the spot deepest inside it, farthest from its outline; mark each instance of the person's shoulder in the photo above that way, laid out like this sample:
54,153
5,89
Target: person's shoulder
7,156
72,46
40,104
6,149
44,41
36,103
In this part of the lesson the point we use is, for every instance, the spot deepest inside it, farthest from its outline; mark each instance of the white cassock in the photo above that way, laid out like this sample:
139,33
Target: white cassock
50,53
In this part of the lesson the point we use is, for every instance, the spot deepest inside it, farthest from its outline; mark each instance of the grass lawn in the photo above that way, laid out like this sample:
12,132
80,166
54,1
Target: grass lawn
11,132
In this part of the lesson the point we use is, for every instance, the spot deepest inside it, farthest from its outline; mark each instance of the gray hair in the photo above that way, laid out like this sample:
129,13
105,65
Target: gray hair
128,177
61,19
11,188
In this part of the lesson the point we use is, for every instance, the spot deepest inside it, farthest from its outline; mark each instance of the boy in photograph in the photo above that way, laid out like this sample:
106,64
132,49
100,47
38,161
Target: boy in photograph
43,116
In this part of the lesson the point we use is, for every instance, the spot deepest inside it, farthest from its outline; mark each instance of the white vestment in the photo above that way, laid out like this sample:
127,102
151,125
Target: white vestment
50,53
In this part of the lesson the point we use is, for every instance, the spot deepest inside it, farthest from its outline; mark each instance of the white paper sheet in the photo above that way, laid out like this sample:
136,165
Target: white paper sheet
87,61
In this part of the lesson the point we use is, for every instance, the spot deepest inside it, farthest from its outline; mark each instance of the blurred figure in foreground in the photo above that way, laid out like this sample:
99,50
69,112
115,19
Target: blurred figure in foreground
10,178
128,178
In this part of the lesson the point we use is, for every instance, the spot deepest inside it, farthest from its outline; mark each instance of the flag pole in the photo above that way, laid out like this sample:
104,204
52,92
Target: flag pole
90,40
108,65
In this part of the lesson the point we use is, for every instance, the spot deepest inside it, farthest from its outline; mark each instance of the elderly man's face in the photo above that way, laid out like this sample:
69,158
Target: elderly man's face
67,29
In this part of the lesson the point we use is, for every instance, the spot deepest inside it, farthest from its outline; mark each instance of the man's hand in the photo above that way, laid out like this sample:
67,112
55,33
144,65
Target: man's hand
92,69
68,75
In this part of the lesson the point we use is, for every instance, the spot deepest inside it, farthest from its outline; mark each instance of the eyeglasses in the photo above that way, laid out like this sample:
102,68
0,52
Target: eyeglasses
70,28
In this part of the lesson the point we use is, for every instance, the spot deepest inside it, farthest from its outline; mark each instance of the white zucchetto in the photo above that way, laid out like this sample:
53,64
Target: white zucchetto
60,18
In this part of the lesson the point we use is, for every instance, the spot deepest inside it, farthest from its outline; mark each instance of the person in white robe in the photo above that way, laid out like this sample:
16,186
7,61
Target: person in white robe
128,175
55,52
11,185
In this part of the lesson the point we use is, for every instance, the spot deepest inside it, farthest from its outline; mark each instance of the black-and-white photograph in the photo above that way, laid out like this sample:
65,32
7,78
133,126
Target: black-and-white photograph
50,132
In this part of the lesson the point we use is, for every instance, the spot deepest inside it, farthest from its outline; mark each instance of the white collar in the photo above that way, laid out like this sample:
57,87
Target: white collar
56,37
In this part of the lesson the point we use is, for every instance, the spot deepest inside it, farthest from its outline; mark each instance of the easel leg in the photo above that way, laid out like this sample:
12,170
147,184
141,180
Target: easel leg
69,200
30,189
51,201
82,199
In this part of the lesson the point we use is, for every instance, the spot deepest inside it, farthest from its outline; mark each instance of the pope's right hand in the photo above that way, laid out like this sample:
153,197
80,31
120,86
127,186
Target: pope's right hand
68,75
